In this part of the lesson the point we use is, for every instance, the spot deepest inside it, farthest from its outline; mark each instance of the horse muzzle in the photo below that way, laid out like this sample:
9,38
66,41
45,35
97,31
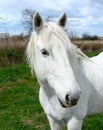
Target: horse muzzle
69,102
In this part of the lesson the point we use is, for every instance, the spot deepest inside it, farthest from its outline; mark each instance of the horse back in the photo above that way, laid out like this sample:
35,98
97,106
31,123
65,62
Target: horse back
98,59
96,98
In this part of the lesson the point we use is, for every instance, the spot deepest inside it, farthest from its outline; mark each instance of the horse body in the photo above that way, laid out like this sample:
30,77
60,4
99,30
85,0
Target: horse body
71,84
96,98
90,102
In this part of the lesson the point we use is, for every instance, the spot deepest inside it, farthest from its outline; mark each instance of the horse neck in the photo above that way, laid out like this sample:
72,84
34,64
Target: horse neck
84,70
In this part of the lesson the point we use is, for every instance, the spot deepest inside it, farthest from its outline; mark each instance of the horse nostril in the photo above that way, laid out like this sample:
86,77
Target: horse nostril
70,101
67,98
74,101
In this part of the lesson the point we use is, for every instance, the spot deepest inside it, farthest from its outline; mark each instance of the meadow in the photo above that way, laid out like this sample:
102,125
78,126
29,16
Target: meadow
19,102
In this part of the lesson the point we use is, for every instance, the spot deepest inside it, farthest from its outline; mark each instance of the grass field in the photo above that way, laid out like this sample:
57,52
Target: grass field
19,102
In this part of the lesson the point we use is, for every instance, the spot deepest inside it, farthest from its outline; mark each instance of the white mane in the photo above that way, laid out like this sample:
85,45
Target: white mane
48,29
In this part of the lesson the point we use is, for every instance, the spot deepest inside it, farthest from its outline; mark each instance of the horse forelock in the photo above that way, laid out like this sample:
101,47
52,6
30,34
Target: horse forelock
30,52
52,28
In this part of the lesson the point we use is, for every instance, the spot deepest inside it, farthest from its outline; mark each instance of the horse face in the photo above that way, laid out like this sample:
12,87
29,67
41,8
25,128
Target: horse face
53,66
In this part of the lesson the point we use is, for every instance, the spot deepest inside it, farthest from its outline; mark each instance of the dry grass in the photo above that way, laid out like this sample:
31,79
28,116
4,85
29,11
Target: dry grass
12,51
13,43
16,43
89,45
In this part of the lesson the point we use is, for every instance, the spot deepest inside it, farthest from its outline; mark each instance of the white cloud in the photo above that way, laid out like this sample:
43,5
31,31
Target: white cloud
56,5
81,14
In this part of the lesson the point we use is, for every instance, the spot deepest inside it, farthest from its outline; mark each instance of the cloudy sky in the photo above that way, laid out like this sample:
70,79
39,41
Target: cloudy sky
83,15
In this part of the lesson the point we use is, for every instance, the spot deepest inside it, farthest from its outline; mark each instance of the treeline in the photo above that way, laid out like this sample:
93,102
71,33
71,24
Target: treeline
86,36
7,37
22,37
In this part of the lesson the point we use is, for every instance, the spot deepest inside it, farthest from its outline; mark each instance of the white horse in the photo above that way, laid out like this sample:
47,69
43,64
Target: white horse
71,84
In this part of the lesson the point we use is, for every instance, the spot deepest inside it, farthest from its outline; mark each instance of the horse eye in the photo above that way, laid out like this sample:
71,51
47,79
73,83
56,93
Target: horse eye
45,52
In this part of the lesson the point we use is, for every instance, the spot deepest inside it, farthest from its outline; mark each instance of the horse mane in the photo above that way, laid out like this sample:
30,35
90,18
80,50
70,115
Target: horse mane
30,52
47,30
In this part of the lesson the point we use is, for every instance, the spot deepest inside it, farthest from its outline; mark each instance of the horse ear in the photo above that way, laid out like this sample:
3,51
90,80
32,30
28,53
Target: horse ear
37,21
62,20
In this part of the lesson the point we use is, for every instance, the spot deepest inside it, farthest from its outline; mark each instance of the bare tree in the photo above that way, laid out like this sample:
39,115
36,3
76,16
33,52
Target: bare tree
27,16
73,34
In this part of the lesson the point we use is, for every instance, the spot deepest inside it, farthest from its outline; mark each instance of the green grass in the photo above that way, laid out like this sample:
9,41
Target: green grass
92,53
19,102
9,57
